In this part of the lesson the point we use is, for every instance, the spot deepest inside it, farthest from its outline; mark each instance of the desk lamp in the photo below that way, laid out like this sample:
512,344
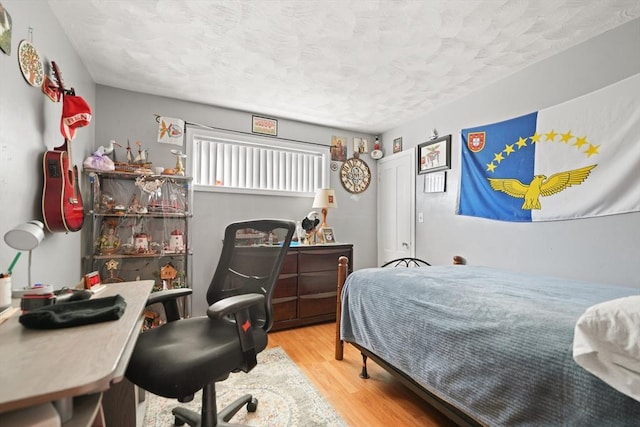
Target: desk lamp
325,199
25,237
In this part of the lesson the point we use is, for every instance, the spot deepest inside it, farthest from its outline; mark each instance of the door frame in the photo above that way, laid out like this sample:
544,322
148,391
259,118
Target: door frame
410,155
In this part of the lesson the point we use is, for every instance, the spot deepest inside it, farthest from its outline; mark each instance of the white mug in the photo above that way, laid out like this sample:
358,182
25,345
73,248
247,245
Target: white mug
5,292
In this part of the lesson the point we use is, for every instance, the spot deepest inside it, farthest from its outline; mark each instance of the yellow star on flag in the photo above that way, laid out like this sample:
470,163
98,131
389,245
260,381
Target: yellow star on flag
593,149
566,137
551,135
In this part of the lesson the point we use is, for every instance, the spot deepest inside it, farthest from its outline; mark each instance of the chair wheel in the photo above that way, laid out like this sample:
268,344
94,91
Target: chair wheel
253,405
178,422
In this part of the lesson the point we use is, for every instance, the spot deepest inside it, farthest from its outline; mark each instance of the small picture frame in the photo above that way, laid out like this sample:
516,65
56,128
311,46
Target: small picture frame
360,145
264,126
328,236
434,155
397,145
338,148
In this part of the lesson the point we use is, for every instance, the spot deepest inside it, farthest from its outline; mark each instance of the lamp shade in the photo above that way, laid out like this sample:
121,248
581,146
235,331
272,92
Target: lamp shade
25,237
325,198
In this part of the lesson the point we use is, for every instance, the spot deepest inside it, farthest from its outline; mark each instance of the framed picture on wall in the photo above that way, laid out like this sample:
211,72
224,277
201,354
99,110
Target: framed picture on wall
360,145
338,148
434,155
264,126
397,145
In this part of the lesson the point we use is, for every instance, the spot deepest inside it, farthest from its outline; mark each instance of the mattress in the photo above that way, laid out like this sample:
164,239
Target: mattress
493,343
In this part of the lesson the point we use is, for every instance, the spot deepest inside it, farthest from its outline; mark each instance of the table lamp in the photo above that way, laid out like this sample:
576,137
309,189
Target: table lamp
25,237
325,199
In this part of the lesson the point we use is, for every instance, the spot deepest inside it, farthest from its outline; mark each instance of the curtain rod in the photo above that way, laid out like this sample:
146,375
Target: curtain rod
246,133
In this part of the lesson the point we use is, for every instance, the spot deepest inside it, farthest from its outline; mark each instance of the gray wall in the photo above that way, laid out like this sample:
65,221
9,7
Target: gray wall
126,115
29,126
602,249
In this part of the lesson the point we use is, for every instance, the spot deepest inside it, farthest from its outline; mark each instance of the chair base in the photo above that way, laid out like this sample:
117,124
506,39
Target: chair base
209,417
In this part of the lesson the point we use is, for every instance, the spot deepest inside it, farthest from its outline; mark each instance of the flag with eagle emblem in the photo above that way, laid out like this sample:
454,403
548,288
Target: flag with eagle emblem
577,159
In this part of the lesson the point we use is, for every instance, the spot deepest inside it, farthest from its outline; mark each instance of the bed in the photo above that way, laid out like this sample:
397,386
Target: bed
484,346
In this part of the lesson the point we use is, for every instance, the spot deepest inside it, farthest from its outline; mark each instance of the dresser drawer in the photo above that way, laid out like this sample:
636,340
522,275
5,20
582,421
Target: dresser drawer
321,259
317,305
313,283
287,286
306,290
290,264
285,309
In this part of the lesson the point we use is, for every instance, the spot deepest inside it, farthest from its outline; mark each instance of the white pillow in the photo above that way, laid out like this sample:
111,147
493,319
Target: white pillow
606,342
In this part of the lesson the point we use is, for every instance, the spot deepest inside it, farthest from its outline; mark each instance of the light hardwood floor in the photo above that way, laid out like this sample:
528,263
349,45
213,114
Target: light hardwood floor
378,401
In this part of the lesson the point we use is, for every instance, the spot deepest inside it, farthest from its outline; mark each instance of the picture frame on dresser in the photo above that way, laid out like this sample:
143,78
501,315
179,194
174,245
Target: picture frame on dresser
328,235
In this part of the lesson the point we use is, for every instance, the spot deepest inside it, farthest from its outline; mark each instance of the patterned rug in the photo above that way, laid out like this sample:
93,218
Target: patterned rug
286,397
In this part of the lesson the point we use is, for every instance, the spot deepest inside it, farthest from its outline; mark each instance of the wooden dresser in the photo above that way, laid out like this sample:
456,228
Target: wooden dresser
306,291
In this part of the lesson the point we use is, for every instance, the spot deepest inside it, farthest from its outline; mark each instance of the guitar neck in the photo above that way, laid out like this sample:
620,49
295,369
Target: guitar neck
66,146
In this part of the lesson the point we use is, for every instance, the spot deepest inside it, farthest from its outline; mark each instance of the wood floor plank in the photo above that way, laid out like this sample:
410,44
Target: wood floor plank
379,401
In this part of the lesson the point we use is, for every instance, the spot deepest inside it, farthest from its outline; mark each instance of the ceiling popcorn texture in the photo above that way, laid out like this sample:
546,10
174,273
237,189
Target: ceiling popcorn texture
361,65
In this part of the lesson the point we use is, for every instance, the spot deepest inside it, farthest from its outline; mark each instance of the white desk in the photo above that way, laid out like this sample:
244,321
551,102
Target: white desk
40,366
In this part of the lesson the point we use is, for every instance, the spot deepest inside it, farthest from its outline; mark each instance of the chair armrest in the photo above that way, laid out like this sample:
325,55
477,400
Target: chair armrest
168,295
169,300
233,304
238,306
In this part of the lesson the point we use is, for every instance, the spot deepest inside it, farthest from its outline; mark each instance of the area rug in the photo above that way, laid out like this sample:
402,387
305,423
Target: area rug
286,398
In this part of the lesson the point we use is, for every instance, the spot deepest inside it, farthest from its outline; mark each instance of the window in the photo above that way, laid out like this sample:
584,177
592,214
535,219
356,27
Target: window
241,163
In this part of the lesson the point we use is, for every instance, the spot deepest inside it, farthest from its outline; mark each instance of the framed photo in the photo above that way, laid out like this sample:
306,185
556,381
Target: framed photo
264,126
397,145
338,148
360,145
434,155
328,236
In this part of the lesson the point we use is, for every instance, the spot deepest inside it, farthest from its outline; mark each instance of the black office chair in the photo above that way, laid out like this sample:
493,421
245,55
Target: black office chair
182,356
406,262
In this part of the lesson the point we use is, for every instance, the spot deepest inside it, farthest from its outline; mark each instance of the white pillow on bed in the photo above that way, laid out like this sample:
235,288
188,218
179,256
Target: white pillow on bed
606,343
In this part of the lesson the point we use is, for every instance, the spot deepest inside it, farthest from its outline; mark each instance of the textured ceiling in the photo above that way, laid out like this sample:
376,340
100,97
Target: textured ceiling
363,65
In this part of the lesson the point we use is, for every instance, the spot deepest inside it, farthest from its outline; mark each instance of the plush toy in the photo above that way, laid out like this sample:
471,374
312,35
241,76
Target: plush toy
310,224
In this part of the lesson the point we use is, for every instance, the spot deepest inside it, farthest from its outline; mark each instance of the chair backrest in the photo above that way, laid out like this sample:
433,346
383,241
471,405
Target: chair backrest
252,256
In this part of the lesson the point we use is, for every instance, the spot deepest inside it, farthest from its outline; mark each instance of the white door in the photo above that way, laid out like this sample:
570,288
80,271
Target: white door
396,206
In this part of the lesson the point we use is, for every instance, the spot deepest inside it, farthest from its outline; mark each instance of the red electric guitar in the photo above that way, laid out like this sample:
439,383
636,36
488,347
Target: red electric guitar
61,199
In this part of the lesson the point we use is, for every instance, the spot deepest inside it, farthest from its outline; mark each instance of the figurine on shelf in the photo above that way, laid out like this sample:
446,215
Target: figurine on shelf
176,242
135,206
109,243
129,155
179,170
167,274
142,154
141,244
112,268
107,203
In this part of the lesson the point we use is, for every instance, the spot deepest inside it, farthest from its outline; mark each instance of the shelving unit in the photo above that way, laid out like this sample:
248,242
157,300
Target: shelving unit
138,228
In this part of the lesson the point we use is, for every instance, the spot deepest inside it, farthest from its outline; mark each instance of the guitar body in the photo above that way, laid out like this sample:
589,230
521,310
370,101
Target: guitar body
61,200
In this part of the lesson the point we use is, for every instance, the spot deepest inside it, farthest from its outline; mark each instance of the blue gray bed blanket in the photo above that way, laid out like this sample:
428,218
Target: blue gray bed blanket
495,344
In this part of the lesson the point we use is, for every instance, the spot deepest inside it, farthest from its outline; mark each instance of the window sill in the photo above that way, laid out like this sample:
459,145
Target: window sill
252,191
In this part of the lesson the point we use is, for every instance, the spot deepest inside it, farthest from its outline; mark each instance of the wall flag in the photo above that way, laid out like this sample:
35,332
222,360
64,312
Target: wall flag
577,159
170,130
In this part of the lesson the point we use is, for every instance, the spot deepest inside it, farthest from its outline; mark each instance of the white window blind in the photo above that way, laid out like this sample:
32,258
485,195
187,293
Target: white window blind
245,163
